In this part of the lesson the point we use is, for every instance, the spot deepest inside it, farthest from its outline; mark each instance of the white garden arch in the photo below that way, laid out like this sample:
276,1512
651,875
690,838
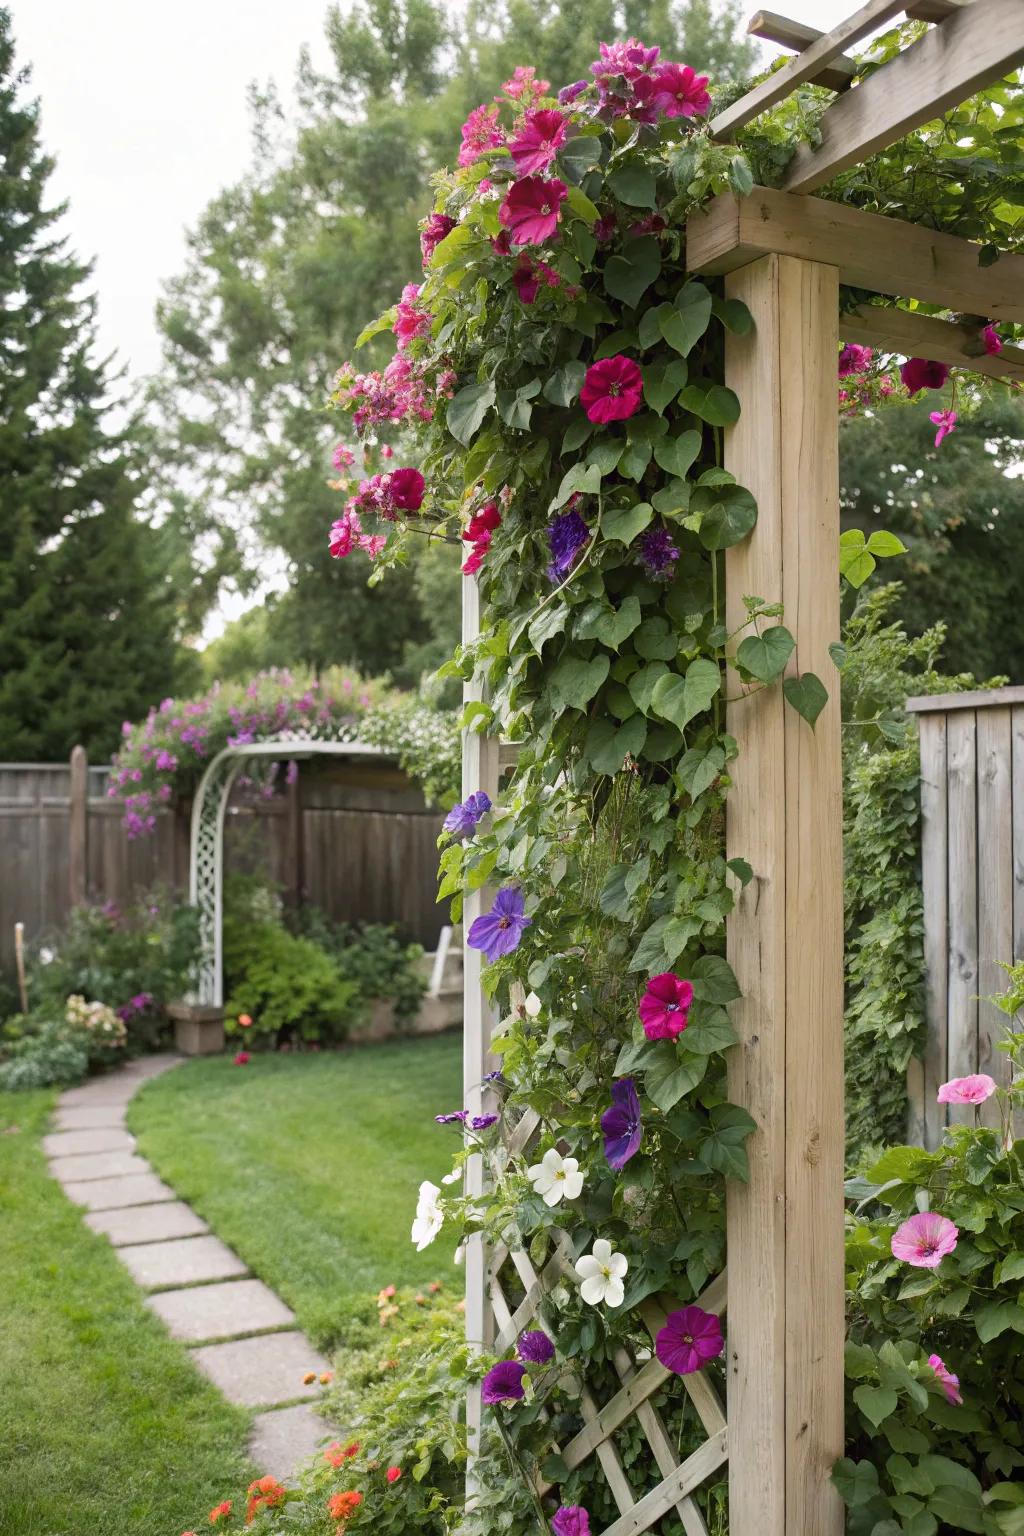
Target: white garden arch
206,846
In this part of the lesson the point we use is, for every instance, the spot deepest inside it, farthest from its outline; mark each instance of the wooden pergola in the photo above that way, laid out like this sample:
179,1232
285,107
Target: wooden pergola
785,253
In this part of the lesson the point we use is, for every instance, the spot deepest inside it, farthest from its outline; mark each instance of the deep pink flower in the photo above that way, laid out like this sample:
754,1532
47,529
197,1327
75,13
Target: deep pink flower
433,232
525,280
410,320
524,85
531,209
242,1059
406,489
924,1240
342,457
570,1520
689,1339
475,559
629,59
680,92
538,141
372,543
665,1006
854,359
991,340
501,245
344,535
974,1089
946,423
918,373
487,520
949,1383
480,132
612,390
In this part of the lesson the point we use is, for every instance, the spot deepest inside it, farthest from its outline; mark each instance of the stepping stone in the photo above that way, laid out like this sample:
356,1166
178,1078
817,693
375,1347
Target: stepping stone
104,1139
182,1261
102,1090
150,1066
220,1311
262,1372
97,1165
84,1117
111,1194
284,1439
147,1224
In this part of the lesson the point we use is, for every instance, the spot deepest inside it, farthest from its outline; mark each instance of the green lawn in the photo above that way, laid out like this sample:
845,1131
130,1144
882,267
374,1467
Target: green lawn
104,1424
309,1165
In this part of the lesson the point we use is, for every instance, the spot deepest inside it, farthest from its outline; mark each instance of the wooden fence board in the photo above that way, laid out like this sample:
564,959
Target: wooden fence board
934,859
995,891
962,1050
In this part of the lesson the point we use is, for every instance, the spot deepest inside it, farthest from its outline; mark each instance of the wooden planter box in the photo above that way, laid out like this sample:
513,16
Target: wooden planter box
198,1030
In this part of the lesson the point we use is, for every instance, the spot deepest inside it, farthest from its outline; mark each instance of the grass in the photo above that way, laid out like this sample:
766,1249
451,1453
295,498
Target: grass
105,1426
308,1165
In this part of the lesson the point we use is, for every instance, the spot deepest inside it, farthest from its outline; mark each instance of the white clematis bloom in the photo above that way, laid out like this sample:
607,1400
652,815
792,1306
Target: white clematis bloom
429,1216
601,1273
556,1177
532,1006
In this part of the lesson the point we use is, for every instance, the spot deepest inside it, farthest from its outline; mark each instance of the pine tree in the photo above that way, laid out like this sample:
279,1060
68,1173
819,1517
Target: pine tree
87,620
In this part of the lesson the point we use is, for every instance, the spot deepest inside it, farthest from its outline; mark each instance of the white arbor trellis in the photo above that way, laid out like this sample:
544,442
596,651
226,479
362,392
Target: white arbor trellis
206,846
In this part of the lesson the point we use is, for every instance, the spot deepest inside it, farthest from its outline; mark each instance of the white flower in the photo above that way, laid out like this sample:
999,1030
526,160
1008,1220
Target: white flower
455,1177
601,1273
532,1005
556,1177
429,1216
460,1254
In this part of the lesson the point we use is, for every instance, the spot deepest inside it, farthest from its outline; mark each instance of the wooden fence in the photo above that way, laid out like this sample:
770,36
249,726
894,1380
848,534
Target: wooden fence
357,840
972,804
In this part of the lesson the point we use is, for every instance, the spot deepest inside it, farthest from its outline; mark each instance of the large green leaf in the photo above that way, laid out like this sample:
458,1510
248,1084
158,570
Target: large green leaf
713,980
624,523
714,403
612,628
727,514
679,699
635,186
663,381
574,681
578,155
467,409
875,1403
643,683
688,318
675,454
628,275
671,1075
608,745
807,694
764,656
565,383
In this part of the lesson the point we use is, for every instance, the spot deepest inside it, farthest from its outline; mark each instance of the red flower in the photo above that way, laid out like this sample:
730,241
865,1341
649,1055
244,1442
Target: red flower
680,92
525,280
242,1059
485,521
918,373
612,389
531,209
220,1512
665,1005
405,489
266,1493
537,142
393,1474
340,1506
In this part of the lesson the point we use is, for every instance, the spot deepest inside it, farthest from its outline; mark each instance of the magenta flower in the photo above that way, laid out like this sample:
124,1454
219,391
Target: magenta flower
621,1125
854,359
433,232
945,421
991,340
974,1089
499,931
480,132
405,488
524,85
344,535
571,1519
410,320
924,1240
689,1339
342,457
629,59
526,280
503,1383
664,1007
949,1383
531,209
538,141
918,373
680,92
535,1347
612,389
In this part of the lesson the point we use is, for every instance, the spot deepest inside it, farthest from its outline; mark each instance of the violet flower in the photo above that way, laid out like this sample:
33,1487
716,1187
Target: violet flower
498,931
535,1347
457,1117
567,534
657,552
503,1383
621,1124
462,819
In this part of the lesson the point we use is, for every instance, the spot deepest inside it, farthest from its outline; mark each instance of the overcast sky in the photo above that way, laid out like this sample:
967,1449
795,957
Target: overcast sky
144,106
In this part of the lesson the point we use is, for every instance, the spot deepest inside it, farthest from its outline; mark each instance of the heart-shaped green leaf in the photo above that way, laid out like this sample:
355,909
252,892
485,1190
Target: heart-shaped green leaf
624,523
574,681
728,513
765,656
635,186
644,681
676,454
565,383
678,699
714,404
807,694
467,409
612,628
663,381
628,275
688,318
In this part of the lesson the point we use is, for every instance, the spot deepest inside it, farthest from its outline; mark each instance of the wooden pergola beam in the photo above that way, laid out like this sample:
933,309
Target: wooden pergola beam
940,341
796,36
806,66
871,251
973,47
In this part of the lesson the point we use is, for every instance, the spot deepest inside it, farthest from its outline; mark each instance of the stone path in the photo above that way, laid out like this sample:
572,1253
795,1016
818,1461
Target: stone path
239,1333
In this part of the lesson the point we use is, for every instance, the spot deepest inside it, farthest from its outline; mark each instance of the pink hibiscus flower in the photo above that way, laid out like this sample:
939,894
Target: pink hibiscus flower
538,141
531,209
946,423
974,1089
680,92
612,389
949,1383
689,1339
665,1006
924,1240
918,373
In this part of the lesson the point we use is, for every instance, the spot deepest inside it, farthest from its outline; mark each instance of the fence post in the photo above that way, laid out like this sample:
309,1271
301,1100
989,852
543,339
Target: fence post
296,877
78,827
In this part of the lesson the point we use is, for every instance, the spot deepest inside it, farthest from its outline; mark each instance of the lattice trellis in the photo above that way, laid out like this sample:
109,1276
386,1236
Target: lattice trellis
640,1380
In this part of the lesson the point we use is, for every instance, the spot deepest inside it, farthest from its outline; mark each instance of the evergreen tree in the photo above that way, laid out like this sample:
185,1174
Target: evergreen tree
86,620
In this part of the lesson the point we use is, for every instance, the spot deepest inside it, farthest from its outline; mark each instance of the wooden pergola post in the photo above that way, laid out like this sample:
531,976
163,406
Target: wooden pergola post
785,1228
78,827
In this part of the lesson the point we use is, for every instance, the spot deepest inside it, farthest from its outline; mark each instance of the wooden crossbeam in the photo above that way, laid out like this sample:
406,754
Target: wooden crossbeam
871,251
933,10
795,36
941,341
806,66
976,45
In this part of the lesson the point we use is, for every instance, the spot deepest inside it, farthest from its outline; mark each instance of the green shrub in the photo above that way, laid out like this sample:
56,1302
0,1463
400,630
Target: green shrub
373,957
40,1055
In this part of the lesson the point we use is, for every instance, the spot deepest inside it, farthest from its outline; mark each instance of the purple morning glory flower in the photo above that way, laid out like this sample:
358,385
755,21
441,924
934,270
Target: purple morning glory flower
503,1382
621,1124
567,534
462,819
569,93
492,1077
657,553
498,932
457,1116
535,1347
571,1520
481,1122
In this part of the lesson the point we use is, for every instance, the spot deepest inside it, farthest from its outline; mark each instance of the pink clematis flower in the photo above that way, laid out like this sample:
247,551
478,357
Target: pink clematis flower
918,373
924,1240
410,320
974,1089
612,389
991,340
665,1006
949,1383
689,1339
531,209
680,92
946,423
524,86
537,142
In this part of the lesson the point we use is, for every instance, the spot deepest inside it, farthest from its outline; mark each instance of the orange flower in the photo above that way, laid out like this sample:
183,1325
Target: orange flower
385,1295
265,1493
220,1512
326,1378
334,1453
309,1378
245,1020
340,1506
393,1474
